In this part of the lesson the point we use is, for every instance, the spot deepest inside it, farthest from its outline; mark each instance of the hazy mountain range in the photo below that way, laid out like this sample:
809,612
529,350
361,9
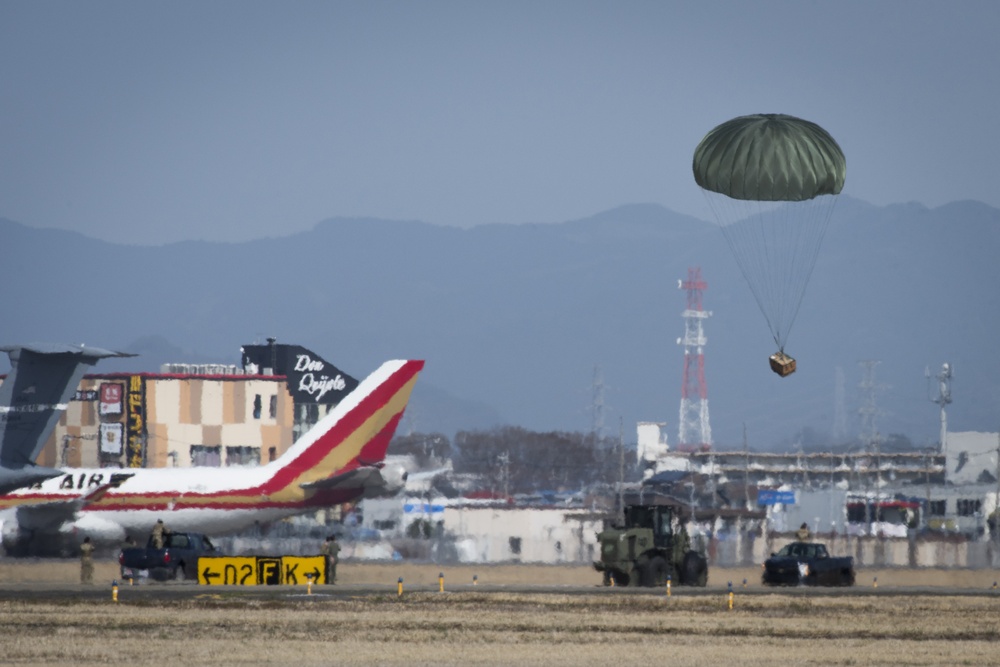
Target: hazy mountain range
517,322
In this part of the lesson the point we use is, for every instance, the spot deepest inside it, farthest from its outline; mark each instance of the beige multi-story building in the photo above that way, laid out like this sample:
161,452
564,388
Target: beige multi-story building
197,414
220,417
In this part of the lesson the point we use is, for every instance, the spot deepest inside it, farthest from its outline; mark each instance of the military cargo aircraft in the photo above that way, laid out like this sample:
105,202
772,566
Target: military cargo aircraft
33,396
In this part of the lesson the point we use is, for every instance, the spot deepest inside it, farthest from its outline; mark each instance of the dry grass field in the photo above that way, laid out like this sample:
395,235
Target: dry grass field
475,626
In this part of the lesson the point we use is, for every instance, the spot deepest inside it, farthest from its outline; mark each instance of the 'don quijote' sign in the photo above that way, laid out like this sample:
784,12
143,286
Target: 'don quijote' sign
310,377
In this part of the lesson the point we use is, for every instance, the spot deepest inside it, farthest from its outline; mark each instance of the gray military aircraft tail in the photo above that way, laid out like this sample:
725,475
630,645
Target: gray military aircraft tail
42,380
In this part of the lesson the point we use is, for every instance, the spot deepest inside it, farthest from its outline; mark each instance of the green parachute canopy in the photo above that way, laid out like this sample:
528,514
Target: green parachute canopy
770,157
771,181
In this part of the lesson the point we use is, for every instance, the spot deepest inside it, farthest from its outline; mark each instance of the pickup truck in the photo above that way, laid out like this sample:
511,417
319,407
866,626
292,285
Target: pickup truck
808,564
178,559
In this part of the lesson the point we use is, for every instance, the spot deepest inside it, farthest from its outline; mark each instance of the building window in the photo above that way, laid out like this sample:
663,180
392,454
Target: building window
273,407
242,456
206,455
272,453
256,406
938,508
968,507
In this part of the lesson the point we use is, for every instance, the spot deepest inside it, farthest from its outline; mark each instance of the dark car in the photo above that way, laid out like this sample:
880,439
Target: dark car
807,564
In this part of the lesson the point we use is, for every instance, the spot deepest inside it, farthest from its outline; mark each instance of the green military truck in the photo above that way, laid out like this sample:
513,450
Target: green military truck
650,546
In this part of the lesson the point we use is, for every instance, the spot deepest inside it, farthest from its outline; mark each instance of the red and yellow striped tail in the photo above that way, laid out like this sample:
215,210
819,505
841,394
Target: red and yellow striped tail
355,433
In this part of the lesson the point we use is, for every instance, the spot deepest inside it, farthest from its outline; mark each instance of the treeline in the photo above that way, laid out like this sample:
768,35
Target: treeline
512,460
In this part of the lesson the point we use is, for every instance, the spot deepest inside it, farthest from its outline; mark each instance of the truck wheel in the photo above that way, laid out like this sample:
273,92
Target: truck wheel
179,573
623,579
654,573
694,570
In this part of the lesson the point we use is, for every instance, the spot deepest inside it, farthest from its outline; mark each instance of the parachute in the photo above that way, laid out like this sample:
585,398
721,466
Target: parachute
771,181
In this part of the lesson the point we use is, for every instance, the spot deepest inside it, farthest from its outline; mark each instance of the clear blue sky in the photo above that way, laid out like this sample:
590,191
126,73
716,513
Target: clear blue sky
153,122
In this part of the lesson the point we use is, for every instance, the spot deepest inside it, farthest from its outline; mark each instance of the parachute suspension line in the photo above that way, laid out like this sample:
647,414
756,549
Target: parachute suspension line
822,213
745,247
776,246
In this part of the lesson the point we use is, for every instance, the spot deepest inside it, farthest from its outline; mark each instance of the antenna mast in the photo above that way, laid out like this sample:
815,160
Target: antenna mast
694,431
943,399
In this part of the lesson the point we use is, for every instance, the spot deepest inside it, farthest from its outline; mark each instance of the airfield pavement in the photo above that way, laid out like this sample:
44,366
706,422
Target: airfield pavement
420,574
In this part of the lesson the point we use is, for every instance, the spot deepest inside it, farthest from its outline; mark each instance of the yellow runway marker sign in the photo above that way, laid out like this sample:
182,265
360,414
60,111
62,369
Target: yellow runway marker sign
227,570
296,570
261,570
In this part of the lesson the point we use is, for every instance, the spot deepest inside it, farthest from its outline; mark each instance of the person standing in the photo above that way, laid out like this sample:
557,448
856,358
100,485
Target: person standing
159,530
86,562
681,544
803,533
331,550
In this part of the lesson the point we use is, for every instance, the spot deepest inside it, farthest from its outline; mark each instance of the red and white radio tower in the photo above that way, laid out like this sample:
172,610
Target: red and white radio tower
694,431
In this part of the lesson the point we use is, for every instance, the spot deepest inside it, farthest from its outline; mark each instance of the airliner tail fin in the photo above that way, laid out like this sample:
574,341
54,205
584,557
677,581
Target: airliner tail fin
354,435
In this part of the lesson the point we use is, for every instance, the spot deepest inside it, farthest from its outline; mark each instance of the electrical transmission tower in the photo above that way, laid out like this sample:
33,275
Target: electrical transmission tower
694,430
868,410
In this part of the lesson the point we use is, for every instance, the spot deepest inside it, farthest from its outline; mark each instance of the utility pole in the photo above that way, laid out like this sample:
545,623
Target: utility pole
505,474
927,477
878,481
869,432
996,509
868,504
833,471
833,515
746,468
839,407
597,405
621,472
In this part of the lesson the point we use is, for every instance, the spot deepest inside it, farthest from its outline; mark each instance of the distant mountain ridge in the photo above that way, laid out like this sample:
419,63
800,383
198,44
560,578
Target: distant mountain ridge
513,319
